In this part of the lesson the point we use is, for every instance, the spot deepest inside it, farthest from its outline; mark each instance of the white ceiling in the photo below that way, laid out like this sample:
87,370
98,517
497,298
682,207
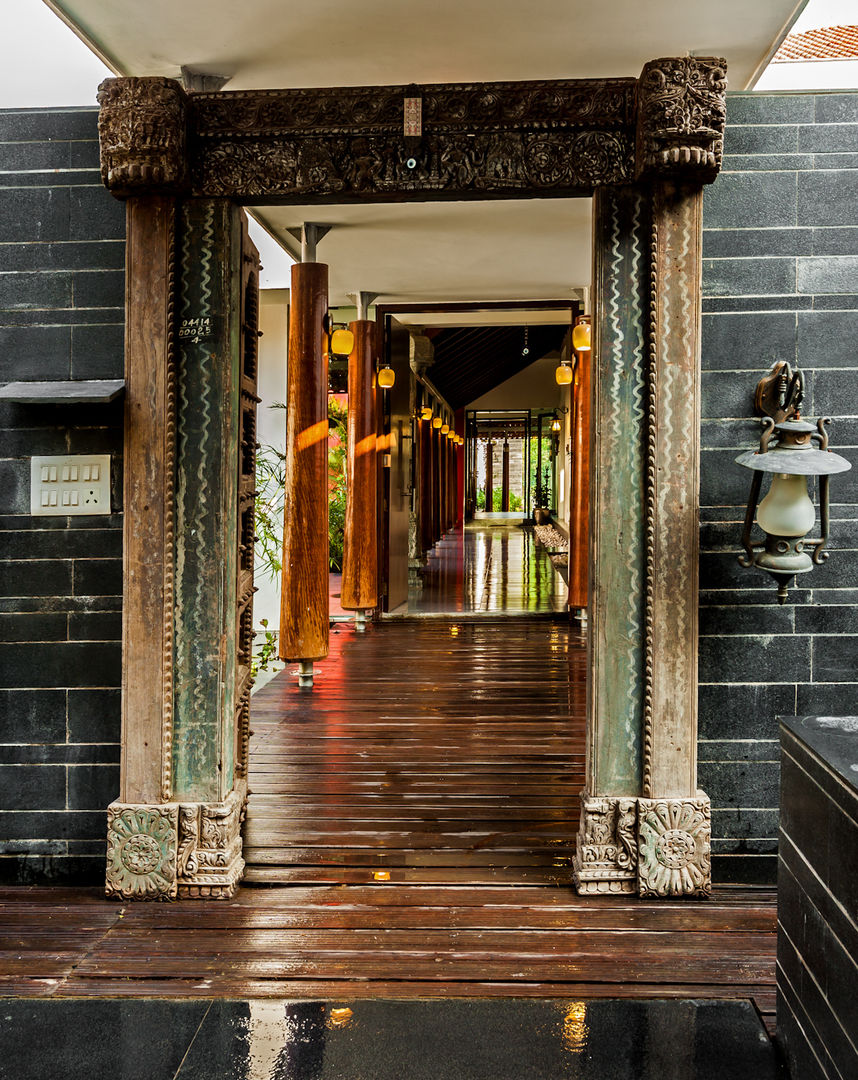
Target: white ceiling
517,250
432,251
275,43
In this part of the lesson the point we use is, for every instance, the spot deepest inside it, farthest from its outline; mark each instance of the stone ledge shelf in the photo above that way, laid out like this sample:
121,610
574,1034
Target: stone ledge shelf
70,392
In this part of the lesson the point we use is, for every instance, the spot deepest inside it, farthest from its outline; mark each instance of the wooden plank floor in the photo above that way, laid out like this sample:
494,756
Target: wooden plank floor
442,752
409,835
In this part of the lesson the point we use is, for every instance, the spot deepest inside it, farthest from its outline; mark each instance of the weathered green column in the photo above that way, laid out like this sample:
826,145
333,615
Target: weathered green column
189,444
645,827
189,843
605,860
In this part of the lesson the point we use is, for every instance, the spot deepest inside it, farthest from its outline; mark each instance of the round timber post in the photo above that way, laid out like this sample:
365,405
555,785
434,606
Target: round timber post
360,555
304,601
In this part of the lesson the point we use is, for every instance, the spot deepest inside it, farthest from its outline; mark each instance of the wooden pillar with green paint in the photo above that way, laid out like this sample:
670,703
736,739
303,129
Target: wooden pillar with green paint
183,838
207,425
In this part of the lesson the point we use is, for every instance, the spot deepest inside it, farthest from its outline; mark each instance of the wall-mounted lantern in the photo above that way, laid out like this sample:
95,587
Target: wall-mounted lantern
791,450
581,334
563,373
386,376
341,341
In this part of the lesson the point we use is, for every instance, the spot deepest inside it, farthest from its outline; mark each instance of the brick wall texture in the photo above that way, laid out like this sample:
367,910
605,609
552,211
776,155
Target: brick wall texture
61,317
780,282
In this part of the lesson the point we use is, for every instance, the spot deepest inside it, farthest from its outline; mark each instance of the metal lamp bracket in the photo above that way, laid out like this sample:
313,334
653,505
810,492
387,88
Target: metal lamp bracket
780,393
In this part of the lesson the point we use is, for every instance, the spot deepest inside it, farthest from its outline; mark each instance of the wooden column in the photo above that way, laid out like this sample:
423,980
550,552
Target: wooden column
505,477
304,601
437,486
208,434
149,461
360,552
580,487
645,827
670,721
489,476
446,456
617,507
424,437
606,858
470,451
175,829
452,481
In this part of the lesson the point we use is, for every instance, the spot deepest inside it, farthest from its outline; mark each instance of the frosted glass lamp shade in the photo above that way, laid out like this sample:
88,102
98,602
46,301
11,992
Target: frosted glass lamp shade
342,342
787,509
581,337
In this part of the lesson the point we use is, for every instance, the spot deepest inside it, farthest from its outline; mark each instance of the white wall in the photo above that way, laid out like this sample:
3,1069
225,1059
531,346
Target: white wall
271,423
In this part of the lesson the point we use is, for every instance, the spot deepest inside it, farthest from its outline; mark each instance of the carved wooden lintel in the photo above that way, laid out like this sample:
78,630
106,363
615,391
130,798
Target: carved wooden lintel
652,847
483,140
681,109
167,850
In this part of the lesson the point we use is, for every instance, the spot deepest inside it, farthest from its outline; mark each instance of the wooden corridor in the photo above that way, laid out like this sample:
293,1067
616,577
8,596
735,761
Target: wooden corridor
442,752
409,835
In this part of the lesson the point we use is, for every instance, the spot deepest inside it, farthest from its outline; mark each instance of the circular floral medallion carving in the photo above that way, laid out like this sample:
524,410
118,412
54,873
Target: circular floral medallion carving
675,848
141,851
140,854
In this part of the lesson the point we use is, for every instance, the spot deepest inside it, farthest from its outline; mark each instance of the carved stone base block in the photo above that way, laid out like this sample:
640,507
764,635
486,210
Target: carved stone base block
606,850
653,847
674,847
175,849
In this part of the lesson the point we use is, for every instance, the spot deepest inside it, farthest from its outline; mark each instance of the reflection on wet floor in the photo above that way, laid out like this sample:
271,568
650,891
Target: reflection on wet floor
489,568
476,1039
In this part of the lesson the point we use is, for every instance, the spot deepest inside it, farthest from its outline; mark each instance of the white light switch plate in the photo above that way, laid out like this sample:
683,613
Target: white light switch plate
62,486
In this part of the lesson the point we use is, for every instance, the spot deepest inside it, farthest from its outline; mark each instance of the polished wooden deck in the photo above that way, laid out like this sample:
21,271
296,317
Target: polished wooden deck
409,835
440,752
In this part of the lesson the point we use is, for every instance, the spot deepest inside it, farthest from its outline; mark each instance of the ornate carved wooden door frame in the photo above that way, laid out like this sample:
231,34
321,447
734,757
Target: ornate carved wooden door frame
642,148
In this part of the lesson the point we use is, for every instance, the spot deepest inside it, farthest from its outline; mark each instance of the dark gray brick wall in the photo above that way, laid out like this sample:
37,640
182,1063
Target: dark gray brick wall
61,316
780,282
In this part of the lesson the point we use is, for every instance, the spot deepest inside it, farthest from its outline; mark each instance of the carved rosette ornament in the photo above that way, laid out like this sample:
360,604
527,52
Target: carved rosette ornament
142,127
674,847
653,847
141,851
682,108
175,849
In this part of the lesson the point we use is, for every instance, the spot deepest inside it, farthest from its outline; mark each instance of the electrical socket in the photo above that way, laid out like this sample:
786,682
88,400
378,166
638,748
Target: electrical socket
70,486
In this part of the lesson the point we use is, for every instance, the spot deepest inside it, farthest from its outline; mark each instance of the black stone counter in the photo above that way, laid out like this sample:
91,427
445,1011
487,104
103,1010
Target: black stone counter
833,738
818,896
